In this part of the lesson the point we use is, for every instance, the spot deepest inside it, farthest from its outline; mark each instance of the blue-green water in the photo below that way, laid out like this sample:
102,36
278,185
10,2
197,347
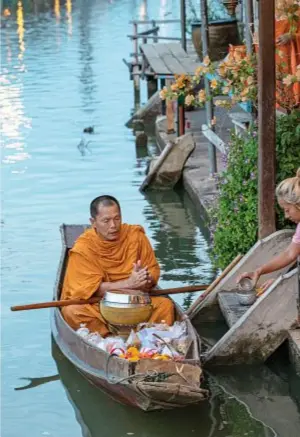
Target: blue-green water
61,71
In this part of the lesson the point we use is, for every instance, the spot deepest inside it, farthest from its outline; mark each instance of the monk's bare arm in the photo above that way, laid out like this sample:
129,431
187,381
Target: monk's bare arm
136,281
107,286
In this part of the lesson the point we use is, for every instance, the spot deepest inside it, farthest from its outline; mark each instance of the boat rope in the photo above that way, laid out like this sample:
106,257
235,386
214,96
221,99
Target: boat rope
149,376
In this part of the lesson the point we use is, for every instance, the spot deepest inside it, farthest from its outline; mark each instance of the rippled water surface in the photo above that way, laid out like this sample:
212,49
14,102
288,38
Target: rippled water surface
62,70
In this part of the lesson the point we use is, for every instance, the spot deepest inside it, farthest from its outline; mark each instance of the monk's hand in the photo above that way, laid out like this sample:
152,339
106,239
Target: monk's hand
150,283
137,266
254,276
283,39
138,279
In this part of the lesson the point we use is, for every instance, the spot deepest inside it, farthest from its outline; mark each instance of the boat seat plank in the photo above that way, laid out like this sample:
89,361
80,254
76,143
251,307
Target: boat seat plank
231,309
70,233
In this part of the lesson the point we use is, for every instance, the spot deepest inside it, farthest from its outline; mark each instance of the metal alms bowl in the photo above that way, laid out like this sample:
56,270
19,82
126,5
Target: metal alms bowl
118,300
128,309
246,292
246,297
246,284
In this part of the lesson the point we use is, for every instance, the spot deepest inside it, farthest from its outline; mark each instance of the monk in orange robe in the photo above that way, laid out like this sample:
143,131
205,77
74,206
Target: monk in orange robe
110,256
287,34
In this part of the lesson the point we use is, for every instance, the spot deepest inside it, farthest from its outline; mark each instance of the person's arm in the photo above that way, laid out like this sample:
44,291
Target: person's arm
279,262
282,260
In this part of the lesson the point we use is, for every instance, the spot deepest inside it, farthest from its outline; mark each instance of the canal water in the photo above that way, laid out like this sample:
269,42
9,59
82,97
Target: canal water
62,71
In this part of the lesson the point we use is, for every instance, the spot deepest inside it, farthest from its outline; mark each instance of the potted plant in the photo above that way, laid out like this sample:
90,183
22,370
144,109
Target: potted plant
223,30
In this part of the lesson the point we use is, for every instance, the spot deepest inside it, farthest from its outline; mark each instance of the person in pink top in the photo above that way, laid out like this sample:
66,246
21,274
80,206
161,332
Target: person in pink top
288,196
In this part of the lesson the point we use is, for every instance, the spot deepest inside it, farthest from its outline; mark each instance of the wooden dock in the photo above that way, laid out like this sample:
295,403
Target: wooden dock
165,60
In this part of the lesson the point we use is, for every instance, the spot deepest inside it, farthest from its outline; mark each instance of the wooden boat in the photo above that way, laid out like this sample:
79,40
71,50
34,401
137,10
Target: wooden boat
248,334
147,384
95,412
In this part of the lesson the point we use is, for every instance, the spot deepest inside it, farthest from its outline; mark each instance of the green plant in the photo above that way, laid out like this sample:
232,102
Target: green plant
234,220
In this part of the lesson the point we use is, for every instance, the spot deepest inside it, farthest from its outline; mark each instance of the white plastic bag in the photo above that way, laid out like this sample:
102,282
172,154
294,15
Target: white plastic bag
133,340
93,338
83,331
113,344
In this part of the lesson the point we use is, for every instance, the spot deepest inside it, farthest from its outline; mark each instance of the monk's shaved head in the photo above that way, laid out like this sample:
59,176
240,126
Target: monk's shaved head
103,201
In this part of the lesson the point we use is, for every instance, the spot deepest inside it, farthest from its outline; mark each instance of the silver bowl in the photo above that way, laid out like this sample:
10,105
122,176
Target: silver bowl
125,300
246,285
246,298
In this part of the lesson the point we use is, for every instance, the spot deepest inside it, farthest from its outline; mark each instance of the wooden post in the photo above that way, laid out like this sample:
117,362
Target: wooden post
266,118
163,102
136,68
180,119
208,104
155,33
249,24
183,23
170,112
151,86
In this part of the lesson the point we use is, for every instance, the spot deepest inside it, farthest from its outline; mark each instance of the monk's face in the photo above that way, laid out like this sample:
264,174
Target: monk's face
108,222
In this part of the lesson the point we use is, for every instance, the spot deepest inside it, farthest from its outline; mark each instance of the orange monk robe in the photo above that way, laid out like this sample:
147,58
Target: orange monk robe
94,260
287,59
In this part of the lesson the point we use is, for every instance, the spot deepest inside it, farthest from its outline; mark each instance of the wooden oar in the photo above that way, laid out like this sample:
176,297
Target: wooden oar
194,307
63,303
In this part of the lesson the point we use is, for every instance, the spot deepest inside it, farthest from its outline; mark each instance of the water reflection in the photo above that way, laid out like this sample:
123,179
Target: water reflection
143,11
180,244
86,77
35,382
69,16
266,396
57,9
20,30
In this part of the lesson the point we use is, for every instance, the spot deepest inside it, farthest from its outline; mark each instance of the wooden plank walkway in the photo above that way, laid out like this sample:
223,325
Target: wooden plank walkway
166,60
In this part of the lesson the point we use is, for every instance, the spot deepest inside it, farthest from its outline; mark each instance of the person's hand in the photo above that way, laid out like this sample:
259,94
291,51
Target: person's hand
264,286
283,39
254,276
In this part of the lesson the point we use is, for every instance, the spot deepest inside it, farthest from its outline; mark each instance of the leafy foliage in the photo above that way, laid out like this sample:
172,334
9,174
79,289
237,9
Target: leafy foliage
234,221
